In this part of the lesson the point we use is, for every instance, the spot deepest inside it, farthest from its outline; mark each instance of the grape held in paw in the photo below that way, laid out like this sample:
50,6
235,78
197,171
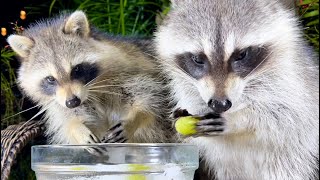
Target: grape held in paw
186,125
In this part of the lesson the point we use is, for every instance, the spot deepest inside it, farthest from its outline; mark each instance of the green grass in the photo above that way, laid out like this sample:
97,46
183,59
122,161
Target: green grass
125,17
8,80
308,11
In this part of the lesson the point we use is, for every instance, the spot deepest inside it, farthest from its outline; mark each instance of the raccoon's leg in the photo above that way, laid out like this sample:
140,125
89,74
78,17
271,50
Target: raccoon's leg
115,135
139,127
143,127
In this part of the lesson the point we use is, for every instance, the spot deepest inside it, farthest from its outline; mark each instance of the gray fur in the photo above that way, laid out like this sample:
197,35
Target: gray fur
128,89
272,129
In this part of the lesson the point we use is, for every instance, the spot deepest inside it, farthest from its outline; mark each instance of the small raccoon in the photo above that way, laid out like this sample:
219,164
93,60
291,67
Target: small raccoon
248,63
88,82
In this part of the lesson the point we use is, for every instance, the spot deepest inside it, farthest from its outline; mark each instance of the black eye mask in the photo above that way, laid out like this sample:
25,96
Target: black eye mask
49,85
244,61
84,72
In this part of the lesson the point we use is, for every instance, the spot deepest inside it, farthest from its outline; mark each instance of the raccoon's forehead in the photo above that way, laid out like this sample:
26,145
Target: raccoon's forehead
212,26
61,49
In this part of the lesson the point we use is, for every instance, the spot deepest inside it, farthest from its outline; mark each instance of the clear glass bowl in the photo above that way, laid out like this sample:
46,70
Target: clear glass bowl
120,161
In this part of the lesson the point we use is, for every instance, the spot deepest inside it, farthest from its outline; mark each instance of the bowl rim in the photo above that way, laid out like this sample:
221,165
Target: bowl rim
116,145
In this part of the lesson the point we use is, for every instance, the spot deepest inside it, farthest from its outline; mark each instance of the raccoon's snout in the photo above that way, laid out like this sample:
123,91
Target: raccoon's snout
73,102
219,106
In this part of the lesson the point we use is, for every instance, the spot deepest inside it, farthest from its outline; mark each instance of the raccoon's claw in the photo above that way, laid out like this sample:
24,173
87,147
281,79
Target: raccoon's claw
115,135
83,135
210,127
93,139
97,151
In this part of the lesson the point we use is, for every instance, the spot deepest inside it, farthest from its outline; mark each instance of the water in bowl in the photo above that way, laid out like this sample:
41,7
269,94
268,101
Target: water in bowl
121,162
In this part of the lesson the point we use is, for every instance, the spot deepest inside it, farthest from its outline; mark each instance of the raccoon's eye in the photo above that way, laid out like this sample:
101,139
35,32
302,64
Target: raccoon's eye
84,72
78,68
51,80
242,55
242,62
198,60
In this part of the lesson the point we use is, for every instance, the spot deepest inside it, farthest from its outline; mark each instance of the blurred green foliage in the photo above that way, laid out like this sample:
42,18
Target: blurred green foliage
125,17
309,13
8,80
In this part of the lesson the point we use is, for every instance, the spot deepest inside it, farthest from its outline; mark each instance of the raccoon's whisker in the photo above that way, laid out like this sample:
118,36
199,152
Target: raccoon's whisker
176,69
94,79
92,100
42,110
95,98
264,75
90,83
96,87
250,92
153,56
21,112
107,92
182,75
160,66
181,69
16,133
258,65
98,82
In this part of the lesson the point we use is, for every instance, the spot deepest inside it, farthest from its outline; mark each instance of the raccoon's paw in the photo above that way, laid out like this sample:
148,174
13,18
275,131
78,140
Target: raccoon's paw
210,127
180,113
83,135
206,125
115,135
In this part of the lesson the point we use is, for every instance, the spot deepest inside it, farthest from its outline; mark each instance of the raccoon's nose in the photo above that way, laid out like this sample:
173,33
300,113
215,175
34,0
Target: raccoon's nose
219,106
73,102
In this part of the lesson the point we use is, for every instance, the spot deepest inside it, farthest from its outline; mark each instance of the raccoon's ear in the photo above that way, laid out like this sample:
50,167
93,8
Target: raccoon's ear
20,44
77,23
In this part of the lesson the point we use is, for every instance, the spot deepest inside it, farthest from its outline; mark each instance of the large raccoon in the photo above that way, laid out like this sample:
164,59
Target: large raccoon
88,82
247,64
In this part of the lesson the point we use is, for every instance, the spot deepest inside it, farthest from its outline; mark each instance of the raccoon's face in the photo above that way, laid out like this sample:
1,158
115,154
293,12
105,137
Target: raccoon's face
217,49
58,60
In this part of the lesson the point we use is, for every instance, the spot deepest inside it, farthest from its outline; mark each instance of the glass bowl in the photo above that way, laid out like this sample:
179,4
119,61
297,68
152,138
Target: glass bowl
115,161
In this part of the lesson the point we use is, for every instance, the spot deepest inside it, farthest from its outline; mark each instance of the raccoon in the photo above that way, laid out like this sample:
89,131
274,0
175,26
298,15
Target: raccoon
92,86
247,63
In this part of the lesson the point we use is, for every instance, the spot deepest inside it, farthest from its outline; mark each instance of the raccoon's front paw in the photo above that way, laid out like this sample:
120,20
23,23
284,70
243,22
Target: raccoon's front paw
83,135
180,113
210,125
115,135
192,125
